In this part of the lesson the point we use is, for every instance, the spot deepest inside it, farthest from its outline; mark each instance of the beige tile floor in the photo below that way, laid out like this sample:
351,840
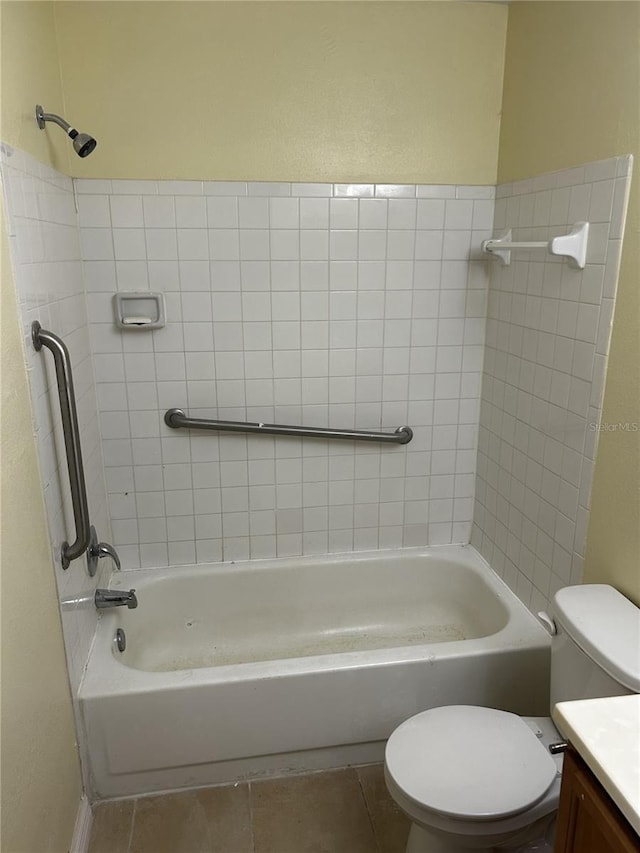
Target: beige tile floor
335,811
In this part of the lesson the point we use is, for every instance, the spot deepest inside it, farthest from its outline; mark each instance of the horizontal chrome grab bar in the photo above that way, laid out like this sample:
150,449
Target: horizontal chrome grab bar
69,413
177,419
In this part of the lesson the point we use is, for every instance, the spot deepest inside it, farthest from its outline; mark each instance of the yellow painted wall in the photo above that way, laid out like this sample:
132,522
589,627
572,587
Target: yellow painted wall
41,786
572,78
306,91
31,75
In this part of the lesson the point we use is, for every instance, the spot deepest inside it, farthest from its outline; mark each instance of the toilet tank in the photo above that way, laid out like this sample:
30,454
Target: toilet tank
596,651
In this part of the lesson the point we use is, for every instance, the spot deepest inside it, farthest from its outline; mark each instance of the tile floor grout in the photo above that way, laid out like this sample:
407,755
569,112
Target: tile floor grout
369,815
283,818
133,821
169,792
251,823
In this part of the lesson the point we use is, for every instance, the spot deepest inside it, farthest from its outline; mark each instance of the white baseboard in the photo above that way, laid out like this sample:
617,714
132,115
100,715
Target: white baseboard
82,829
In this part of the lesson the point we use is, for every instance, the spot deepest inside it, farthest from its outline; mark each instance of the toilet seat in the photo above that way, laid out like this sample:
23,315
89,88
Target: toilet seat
469,763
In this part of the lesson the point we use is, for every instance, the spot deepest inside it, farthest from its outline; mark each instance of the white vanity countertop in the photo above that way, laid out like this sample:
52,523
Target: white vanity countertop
606,733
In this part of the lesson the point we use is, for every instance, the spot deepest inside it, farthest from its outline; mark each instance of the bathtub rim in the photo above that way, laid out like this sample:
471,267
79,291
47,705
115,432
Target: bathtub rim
105,675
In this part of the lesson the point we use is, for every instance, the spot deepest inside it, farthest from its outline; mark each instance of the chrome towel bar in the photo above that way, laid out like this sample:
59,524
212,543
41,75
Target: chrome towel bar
69,413
177,419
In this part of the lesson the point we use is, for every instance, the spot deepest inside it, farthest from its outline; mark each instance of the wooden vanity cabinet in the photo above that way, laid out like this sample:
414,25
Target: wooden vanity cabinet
588,819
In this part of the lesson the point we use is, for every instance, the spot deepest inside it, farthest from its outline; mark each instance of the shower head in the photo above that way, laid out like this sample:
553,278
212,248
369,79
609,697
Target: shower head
83,144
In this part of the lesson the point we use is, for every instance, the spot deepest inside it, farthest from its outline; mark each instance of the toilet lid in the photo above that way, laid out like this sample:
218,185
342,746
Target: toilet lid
469,762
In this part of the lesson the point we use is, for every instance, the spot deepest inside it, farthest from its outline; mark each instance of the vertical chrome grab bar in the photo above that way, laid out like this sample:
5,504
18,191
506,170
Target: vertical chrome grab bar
71,431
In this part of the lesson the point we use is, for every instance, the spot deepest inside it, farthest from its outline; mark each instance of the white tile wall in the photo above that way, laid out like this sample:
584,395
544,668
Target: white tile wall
356,306
548,331
45,252
344,305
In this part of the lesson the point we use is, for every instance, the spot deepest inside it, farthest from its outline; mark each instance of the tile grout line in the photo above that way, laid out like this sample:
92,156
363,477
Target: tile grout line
133,820
251,821
368,810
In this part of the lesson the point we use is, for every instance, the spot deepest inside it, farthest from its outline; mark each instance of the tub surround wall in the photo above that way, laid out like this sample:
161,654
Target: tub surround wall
594,114
548,331
344,305
45,253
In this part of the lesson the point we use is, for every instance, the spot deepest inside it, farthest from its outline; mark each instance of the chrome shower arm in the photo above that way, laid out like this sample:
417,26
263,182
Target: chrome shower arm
42,117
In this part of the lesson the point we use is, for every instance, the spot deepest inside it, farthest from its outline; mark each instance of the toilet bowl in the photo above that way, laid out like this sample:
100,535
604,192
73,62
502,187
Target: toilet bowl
486,778
473,778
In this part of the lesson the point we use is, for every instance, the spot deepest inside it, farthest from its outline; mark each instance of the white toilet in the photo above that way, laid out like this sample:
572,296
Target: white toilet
474,778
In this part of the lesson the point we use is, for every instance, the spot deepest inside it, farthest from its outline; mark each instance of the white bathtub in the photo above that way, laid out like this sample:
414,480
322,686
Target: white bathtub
240,670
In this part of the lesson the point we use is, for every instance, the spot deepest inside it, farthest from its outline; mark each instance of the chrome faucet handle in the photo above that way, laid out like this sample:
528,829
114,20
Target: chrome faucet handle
97,550
106,550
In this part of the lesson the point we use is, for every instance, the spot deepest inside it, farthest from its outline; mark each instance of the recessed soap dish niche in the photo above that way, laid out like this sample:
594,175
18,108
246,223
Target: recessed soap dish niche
139,311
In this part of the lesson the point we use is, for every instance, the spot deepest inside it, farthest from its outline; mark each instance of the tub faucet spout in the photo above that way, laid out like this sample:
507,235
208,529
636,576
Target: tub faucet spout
115,598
